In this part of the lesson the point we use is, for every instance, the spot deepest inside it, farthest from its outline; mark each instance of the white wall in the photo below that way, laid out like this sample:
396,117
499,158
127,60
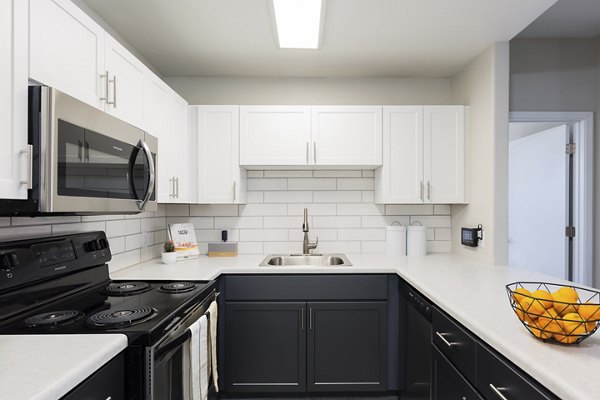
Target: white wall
342,91
483,86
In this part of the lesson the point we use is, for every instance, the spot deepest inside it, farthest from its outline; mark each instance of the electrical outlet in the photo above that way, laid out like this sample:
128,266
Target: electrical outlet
148,239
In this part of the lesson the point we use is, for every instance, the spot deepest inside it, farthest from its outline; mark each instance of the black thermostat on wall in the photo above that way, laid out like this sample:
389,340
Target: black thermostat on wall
471,236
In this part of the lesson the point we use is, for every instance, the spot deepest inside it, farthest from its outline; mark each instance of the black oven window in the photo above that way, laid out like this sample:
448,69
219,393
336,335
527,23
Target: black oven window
94,165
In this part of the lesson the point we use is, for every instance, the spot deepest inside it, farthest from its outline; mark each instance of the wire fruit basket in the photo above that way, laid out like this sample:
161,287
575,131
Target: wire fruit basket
555,313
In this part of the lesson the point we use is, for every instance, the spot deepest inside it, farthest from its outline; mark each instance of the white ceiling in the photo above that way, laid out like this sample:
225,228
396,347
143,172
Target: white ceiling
361,38
567,19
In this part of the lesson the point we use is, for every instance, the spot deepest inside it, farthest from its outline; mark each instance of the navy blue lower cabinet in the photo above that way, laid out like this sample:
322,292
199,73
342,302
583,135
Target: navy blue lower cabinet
447,383
347,344
266,347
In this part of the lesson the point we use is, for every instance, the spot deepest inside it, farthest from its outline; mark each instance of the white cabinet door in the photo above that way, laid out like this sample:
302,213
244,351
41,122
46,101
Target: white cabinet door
400,179
274,135
66,50
348,136
176,143
155,123
444,158
125,83
220,179
13,99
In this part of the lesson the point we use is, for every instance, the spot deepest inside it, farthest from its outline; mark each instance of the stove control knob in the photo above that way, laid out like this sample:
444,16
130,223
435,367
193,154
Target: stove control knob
8,261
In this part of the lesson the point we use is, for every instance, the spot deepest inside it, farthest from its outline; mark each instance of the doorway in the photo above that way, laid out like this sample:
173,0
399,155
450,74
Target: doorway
550,194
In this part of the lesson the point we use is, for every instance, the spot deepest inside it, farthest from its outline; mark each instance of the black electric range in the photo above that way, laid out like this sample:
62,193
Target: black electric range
61,285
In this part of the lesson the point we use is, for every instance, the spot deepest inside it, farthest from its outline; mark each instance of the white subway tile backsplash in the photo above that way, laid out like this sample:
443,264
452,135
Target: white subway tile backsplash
409,209
123,227
21,232
238,222
361,234
373,247
368,196
313,209
255,197
263,235
359,209
288,174
337,222
368,173
133,242
288,196
151,252
296,235
286,222
268,184
177,210
311,184
20,221
355,184
250,248
443,233
281,247
199,222
117,244
62,229
208,235
214,210
441,209
249,210
380,221
124,260
432,221
337,174
340,247
439,246
334,196
152,224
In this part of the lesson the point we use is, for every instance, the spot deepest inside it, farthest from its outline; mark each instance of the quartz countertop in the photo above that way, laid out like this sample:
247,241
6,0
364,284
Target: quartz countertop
473,293
46,367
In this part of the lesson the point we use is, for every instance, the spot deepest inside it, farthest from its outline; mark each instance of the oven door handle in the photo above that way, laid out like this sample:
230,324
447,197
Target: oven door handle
141,145
164,349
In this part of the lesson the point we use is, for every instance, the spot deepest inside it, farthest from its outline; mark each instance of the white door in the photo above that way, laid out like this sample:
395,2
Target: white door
400,179
219,177
155,123
125,84
13,99
444,155
274,135
66,50
537,202
347,135
176,142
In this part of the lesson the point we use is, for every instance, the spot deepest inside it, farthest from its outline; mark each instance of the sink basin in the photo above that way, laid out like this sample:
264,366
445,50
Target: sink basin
316,260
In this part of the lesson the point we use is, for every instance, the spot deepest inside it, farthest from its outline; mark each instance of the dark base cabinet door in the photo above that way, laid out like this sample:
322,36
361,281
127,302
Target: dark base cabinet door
265,346
346,346
447,383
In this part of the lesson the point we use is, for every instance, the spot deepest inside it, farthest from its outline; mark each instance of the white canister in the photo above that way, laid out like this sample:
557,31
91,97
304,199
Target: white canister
395,240
416,240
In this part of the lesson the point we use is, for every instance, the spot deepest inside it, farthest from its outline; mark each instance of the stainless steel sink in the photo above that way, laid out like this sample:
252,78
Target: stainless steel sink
300,260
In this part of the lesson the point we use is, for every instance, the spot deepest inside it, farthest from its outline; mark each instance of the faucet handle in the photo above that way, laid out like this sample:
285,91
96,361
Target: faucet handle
313,245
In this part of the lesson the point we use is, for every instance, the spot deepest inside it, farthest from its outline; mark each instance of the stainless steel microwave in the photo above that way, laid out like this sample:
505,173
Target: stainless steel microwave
84,161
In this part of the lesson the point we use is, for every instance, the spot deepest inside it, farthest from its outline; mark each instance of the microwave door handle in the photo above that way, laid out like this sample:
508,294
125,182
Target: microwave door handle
141,145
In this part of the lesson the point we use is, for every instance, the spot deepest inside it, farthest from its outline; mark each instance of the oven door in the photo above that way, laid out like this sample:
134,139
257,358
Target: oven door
167,372
96,164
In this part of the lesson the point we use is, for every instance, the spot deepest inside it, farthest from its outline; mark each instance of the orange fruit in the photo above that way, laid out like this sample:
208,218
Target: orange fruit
590,326
542,334
573,324
564,303
569,292
565,339
589,311
520,293
532,307
544,297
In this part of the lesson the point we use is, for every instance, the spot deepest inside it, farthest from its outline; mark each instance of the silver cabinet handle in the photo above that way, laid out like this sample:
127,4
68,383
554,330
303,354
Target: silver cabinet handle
177,187
441,336
307,153
105,77
315,152
172,188
234,189
310,318
422,190
28,151
428,190
114,82
497,391
302,319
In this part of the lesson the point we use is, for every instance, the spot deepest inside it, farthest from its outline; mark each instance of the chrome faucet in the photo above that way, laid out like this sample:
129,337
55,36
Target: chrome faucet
307,245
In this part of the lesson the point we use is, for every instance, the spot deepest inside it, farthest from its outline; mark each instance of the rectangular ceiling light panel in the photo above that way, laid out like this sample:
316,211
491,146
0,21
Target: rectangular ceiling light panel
298,23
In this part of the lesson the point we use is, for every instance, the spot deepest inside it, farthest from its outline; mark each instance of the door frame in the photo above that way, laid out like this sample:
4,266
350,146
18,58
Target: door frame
583,187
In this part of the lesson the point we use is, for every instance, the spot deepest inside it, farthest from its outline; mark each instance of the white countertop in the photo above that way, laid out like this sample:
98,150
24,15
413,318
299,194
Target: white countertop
474,294
46,367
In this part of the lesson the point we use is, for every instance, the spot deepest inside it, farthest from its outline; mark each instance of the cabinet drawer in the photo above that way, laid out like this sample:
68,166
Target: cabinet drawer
106,383
306,287
497,380
456,344
447,381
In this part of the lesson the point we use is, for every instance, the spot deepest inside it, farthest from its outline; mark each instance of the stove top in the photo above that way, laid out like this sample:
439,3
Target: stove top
84,299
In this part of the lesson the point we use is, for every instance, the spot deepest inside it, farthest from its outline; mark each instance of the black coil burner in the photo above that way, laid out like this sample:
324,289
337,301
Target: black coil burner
122,318
53,319
127,288
178,287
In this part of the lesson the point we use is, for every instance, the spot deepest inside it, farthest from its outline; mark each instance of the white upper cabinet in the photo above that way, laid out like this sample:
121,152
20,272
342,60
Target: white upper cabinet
423,157
123,83
400,180
274,135
66,50
72,53
14,157
347,135
444,158
176,148
220,178
310,136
